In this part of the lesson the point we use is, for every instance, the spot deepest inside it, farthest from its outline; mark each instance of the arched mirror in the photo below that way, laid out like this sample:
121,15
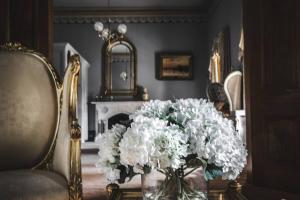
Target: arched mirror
119,68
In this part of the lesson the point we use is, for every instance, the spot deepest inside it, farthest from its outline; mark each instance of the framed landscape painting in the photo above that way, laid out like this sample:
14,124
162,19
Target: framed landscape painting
174,66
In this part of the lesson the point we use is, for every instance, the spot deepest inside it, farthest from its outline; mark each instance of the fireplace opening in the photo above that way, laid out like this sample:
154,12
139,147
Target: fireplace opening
120,118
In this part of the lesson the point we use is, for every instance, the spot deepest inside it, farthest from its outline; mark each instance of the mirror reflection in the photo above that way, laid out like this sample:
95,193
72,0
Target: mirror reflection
120,67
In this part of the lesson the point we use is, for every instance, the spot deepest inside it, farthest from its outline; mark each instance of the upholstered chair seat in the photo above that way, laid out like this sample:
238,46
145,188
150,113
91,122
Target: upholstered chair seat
39,133
33,185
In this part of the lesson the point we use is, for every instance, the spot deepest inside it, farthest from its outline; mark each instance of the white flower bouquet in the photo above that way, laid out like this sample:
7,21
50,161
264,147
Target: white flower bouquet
171,136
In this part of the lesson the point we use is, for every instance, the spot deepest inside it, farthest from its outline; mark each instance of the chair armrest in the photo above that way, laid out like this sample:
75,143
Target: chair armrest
66,157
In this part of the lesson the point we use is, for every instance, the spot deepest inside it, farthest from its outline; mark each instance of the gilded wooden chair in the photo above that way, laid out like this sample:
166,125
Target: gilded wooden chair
40,136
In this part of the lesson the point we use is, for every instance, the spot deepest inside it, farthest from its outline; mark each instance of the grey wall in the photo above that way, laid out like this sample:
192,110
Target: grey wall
148,39
228,13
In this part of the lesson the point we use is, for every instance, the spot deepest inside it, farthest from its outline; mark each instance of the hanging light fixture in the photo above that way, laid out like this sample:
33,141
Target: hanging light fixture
107,33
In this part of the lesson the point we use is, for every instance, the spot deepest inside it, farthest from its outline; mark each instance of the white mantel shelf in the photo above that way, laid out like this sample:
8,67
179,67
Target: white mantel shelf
107,109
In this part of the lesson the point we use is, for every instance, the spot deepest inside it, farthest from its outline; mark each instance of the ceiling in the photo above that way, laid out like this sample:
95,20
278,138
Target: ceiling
203,5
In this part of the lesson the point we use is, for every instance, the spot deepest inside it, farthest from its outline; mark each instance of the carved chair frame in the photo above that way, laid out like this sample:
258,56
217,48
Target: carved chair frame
75,182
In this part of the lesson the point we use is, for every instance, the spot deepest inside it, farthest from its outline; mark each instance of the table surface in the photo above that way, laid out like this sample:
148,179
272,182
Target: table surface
136,194
218,189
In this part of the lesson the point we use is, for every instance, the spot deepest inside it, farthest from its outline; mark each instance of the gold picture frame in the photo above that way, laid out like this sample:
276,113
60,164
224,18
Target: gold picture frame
174,65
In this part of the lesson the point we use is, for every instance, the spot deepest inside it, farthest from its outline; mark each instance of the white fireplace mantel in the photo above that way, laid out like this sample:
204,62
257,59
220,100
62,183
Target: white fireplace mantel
107,109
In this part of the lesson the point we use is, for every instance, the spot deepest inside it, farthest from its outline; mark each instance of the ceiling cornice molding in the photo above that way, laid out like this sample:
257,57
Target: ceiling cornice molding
134,15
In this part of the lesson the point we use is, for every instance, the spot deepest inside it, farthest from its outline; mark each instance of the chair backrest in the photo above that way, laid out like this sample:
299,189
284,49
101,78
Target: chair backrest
29,107
233,90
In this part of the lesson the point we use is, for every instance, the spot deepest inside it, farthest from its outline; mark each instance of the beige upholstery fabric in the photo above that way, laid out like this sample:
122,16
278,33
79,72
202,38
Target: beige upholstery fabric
32,185
233,90
28,110
61,159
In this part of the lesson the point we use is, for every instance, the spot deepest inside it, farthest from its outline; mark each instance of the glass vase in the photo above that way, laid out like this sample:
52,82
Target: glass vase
172,184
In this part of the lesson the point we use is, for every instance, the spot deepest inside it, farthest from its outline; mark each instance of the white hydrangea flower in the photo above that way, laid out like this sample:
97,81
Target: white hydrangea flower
163,134
154,109
152,142
213,138
109,149
170,146
136,143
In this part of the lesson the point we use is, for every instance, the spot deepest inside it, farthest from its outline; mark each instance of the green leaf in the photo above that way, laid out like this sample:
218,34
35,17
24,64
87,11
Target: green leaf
146,169
171,120
193,161
212,171
125,172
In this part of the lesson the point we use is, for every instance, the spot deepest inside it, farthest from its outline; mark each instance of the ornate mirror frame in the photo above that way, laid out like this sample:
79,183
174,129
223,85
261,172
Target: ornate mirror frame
107,89
220,59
